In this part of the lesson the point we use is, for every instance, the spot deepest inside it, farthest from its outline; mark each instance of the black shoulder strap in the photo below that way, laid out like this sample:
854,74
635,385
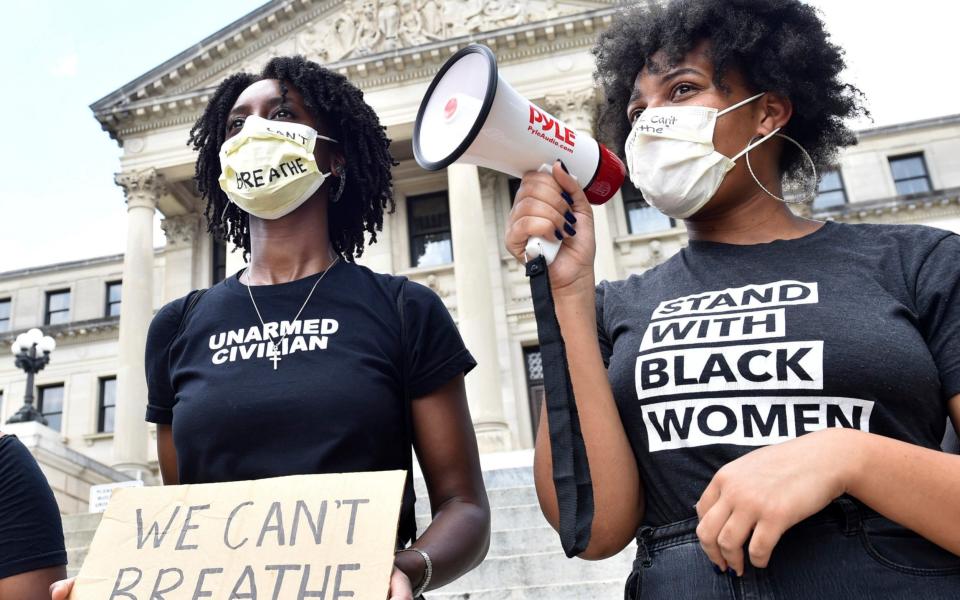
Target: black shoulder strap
192,299
571,471
409,528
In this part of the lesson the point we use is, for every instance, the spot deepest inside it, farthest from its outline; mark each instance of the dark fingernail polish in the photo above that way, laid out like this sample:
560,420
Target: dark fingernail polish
570,230
564,167
559,235
569,217
716,569
567,197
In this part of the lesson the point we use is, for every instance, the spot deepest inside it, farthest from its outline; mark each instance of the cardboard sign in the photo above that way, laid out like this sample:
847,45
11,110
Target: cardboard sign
307,536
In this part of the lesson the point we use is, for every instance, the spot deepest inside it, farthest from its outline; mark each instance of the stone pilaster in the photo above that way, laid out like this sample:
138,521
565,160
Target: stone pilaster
181,230
186,259
475,314
578,110
143,190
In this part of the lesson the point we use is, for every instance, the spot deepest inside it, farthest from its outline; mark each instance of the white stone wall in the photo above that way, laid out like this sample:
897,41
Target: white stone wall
866,167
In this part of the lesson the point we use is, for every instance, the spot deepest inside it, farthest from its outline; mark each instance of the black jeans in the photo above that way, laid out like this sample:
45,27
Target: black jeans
845,551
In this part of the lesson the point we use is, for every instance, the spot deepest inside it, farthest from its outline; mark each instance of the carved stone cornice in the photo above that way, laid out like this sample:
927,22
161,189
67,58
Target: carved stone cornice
181,229
75,331
371,27
578,108
911,208
142,188
175,93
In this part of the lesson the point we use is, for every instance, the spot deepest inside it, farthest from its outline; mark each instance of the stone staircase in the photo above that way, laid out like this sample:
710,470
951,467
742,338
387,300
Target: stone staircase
77,534
525,561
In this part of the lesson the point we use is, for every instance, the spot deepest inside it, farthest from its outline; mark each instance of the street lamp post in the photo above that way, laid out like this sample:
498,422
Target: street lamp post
25,349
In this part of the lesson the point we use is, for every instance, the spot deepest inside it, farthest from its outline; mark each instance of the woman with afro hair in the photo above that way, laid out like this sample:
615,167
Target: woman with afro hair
763,411
305,362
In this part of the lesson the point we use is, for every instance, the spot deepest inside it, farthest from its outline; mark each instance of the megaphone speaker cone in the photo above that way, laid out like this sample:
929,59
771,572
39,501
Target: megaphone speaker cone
471,115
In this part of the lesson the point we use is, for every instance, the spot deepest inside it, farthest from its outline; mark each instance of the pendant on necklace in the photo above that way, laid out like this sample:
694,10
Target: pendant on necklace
274,356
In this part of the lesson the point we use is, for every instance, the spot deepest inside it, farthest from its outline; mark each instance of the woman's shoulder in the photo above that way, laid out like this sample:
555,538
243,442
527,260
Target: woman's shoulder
391,285
908,244
166,321
652,277
910,235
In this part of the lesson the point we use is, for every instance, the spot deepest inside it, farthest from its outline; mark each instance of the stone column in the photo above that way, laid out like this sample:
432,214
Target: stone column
181,273
143,190
578,110
475,316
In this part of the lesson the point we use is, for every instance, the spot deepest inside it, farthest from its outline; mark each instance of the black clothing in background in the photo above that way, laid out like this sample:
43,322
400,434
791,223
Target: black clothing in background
31,532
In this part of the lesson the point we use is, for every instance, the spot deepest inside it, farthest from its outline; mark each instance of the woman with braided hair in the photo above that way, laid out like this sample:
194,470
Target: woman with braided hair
305,362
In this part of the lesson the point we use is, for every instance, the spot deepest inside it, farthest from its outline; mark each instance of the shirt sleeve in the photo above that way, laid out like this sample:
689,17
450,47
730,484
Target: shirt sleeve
434,351
938,304
160,393
606,347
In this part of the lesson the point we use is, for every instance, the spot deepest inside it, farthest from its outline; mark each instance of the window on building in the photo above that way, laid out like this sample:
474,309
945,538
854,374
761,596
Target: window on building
428,221
58,307
114,289
218,261
533,362
50,404
4,314
910,174
106,404
830,192
641,217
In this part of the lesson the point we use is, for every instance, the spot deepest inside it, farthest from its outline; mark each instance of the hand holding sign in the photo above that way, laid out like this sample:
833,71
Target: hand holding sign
305,536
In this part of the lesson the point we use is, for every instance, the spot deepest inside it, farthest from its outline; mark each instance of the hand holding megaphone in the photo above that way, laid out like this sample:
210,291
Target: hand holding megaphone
470,115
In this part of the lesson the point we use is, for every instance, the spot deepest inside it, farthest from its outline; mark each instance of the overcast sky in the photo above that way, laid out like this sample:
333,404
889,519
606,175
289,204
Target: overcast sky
58,201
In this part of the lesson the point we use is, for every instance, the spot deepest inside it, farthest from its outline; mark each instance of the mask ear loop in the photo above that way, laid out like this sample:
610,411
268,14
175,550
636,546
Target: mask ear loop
223,213
813,167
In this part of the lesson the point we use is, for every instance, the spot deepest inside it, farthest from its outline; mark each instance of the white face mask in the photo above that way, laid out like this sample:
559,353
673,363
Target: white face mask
268,168
671,158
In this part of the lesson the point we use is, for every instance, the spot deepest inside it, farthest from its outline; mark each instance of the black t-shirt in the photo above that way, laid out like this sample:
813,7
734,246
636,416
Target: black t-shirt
31,532
334,400
725,348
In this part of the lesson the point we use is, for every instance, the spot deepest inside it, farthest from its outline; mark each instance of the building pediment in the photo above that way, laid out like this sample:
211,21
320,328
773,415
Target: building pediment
364,39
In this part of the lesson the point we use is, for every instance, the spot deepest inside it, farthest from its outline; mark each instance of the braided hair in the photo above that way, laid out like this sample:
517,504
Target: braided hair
368,190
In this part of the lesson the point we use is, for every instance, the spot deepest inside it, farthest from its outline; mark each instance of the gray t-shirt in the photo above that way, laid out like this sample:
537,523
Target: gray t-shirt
725,348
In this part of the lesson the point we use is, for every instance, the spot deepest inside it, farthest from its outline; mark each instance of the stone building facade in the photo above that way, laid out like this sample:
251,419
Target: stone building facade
94,386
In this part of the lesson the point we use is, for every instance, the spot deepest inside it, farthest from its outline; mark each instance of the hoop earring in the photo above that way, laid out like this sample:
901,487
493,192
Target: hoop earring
813,167
342,178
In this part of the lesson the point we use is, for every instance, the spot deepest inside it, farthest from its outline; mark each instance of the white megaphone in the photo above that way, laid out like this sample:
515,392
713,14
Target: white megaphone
471,115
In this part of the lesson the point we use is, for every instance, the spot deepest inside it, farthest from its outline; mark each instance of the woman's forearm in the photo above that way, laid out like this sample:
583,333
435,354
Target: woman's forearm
917,487
456,541
617,493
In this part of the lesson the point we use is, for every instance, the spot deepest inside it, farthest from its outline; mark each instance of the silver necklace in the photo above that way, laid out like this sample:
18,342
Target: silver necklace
273,352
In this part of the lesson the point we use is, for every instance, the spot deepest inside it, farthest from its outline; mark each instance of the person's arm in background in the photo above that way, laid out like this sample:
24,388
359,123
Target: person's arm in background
32,585
167,455
31,532
540,210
